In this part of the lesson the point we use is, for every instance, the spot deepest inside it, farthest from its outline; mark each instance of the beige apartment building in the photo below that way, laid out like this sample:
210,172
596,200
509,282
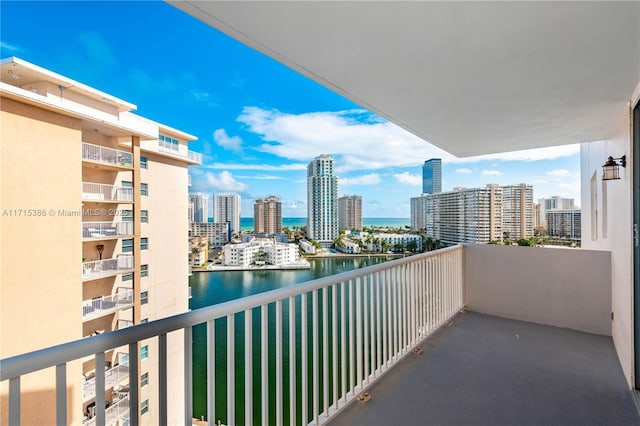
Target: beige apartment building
267,215
94,210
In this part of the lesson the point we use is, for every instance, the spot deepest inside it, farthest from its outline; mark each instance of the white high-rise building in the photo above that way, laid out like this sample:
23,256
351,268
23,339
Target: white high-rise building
226,208
553,203
517,211
419,213
350,212
322,196
200,207
566,223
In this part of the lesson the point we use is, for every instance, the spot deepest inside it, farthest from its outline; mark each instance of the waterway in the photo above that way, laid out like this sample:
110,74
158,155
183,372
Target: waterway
210,288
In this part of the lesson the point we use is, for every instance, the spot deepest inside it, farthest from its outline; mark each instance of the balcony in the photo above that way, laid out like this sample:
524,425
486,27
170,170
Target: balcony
106,230
117,410
101,306
96,269
107,158
112,377
478,334
173,150
102,193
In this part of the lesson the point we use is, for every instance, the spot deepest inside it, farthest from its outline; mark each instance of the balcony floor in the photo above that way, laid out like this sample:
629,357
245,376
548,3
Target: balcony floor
485,370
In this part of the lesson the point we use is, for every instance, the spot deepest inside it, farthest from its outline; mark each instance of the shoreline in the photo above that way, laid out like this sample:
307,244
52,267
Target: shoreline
221,268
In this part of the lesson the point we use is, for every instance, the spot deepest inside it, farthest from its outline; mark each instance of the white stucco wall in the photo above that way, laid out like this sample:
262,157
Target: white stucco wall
613,226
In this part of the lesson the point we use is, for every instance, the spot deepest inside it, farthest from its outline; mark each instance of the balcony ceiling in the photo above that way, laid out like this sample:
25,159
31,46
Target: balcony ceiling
470,77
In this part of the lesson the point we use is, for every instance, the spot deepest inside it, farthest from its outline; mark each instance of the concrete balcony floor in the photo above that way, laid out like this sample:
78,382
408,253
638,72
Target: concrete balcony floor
485,370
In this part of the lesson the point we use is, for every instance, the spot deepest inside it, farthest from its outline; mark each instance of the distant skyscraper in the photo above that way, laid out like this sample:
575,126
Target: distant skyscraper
432,176
553,203
419,213
200,207
267,215
322,197
517,211
350,212
226,208
565,223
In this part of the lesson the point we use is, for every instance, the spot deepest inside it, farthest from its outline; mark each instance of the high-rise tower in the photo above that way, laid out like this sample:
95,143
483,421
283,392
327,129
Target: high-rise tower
432,176
350,212
322,196
200,207
267,215
226,208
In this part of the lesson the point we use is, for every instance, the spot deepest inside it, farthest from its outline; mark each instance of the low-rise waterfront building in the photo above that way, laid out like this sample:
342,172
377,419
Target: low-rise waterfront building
260,252
218,233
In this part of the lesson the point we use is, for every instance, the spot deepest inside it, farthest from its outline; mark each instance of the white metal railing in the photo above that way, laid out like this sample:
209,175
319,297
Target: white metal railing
115,411
352,328
102,154
101,268
102,192
112,376
180,151
106,229
194,156
106,304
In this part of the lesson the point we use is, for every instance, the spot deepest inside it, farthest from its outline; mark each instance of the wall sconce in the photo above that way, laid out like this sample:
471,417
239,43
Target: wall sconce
100,248
611,169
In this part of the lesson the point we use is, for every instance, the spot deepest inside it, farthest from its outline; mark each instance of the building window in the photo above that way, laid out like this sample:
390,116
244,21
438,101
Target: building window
144,352
127,245
127,184
143,162
144,243
127,216
144,189
127,277
144,380
144,407
144,297
144,271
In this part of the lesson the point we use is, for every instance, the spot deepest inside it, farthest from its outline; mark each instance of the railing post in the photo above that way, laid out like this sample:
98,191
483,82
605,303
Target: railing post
61,394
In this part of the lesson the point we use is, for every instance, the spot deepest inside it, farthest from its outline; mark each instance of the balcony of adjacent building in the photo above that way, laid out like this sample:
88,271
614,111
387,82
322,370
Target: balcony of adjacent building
103,268
105,305
106,230
480,334
105,158
171,148
115,378
116,410
103,193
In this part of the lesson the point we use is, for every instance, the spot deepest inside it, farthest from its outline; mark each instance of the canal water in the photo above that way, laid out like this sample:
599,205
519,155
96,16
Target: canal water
210,288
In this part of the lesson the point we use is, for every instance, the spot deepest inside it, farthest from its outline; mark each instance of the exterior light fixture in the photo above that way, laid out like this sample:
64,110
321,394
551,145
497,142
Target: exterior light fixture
14,74
100,248
611,169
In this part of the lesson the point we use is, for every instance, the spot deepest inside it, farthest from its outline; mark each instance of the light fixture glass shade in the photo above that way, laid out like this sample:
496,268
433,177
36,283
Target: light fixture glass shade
610,170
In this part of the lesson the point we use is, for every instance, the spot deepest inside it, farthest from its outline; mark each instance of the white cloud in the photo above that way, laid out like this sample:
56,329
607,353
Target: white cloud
492,173
559,172
224,181
231,143
8,46
369,179
262,177
464,171
205,97
408,179
360,140
258,167
97,48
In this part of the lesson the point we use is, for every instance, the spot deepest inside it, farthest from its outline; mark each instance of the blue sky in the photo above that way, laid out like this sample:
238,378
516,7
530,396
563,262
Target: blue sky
258,122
